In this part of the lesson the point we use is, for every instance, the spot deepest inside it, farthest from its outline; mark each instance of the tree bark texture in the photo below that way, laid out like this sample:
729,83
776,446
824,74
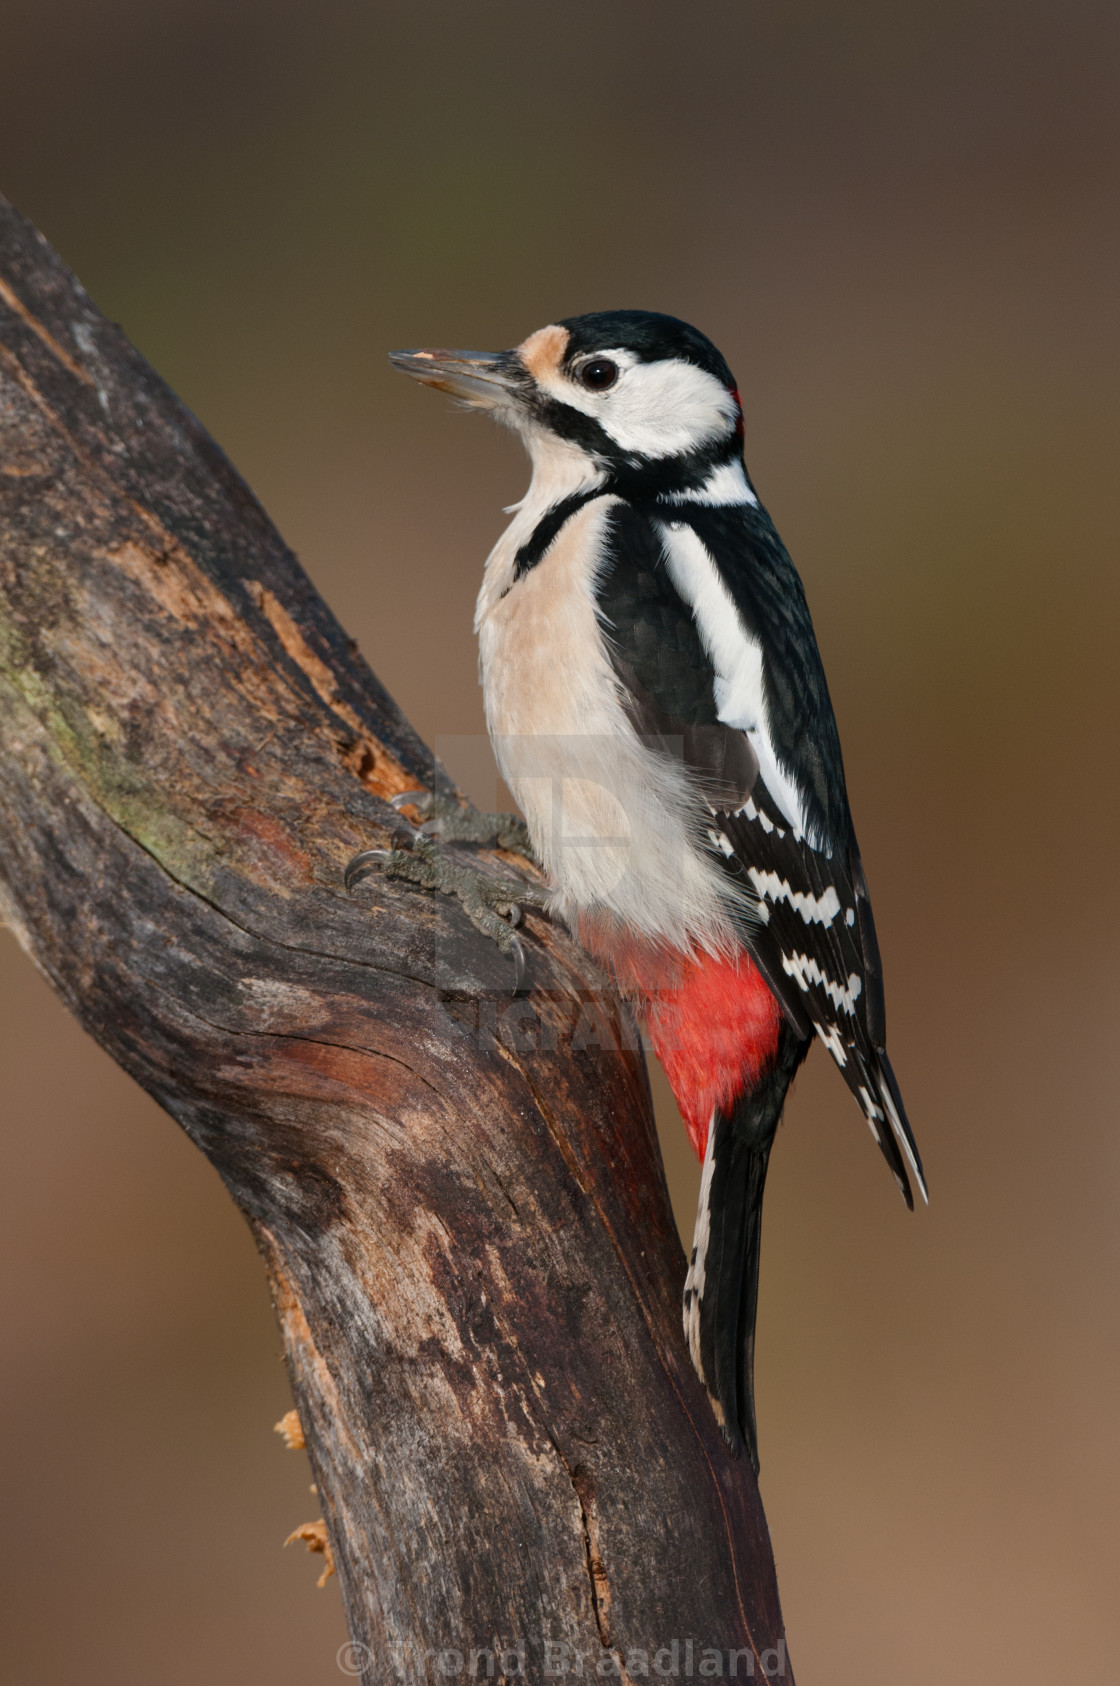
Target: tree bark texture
458,1196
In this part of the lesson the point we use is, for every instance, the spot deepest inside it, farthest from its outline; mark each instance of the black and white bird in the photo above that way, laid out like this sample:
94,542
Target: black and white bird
658,707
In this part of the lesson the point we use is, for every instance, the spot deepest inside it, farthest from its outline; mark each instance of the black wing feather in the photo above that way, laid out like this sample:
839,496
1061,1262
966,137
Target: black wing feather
818,967
814,939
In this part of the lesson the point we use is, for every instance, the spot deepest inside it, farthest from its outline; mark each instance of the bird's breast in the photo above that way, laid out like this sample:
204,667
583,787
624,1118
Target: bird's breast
615,824
544,665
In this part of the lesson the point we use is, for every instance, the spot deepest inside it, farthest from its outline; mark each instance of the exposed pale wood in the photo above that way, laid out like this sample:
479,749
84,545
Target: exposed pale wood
458,1197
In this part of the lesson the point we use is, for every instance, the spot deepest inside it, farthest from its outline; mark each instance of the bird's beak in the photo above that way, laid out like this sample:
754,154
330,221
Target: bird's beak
487,379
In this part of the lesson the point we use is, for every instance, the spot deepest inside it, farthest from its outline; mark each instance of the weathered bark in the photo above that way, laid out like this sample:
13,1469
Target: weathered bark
458,1197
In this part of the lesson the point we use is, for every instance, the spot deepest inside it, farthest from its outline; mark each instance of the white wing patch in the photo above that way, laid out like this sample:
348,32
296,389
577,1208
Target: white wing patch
814,910
740,695
807,972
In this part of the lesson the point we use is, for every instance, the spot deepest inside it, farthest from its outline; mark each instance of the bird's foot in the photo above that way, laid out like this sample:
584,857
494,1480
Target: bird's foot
493,905
451,822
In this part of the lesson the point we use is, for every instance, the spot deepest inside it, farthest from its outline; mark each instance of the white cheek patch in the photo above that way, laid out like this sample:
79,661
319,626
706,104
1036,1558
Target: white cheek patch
654,409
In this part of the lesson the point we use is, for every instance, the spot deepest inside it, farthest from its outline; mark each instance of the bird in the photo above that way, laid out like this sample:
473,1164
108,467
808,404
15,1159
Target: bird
658,707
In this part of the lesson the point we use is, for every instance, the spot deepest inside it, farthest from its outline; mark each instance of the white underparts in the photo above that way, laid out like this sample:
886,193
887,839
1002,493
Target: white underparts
559,469
617,826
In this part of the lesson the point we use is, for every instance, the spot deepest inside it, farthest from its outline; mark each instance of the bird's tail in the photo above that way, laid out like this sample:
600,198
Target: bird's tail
721,1289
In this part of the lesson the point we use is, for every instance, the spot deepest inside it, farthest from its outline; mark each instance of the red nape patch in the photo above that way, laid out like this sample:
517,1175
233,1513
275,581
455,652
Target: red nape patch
713,1023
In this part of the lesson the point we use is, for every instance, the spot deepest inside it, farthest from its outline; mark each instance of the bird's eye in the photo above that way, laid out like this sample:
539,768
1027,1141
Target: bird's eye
598,374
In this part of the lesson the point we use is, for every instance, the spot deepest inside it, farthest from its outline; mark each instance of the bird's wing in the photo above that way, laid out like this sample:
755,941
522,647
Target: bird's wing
815,945
716,657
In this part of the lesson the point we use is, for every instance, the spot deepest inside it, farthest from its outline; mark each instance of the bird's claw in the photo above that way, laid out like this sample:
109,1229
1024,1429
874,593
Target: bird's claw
451,821
494,906
517,948
363,865
421,800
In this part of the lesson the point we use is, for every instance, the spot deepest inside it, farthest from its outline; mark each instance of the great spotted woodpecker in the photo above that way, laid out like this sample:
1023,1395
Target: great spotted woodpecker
658,707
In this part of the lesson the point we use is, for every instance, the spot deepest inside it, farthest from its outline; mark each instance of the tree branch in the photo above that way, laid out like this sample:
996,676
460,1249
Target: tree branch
458,1196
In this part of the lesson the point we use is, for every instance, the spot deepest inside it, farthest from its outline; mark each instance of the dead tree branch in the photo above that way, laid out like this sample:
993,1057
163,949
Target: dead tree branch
458,1197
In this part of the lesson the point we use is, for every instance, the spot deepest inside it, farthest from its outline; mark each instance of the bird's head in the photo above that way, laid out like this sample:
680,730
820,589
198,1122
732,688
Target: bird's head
637,394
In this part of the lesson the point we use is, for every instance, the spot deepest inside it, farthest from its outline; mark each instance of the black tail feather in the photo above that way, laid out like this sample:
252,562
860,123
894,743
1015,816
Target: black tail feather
731,1296
721,1293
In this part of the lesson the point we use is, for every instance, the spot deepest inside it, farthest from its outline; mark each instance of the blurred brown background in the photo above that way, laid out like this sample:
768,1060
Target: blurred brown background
901,226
